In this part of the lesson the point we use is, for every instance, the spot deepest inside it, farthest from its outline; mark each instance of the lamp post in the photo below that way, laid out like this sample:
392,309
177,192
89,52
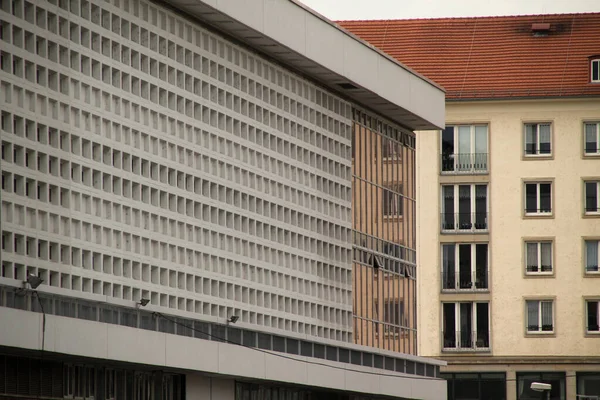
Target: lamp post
542,387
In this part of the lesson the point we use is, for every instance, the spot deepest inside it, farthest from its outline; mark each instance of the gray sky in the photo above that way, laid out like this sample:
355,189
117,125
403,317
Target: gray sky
399,9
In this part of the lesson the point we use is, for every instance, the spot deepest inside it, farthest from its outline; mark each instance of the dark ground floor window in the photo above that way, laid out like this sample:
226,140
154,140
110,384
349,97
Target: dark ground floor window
525,379
588,383
476,386
30,377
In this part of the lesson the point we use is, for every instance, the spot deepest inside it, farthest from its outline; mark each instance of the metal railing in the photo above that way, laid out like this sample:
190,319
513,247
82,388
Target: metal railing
477,282
592,268
466,340
464,222
541,151
464,163
536,268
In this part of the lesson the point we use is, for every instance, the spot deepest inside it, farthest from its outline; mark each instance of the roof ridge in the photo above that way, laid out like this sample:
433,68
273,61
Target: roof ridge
471,17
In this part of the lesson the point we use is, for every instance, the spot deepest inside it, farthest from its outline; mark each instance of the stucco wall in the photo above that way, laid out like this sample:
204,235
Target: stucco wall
508,284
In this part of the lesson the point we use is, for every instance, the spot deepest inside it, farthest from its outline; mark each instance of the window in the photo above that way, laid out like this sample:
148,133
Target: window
464,266
464,149
525,379
591,144
392,201
464,208
538,198
595,71
537,139
588,383
538,257
592,321
592,194
591,256
540,316
487,385
466,326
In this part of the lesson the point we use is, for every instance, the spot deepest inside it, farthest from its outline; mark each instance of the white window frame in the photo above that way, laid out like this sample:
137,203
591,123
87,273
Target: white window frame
537,139
597,301
473,266
473,324
585,210
539,321
473,199
595,64
585,255
538,199
472,150
538,244
597,125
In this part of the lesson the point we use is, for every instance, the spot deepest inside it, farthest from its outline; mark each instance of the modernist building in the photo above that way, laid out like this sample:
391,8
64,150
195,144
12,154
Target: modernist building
508,226
206,199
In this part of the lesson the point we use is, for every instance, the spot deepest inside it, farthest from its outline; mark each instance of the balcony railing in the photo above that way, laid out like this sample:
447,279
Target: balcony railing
464,222
466,341
465,163
476,283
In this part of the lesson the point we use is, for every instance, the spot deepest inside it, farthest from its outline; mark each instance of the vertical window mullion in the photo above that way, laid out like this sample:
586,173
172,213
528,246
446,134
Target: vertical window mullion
539,258
457,319
473,265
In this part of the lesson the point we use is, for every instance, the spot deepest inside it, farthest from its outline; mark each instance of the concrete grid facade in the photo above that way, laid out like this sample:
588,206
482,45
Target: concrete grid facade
146,156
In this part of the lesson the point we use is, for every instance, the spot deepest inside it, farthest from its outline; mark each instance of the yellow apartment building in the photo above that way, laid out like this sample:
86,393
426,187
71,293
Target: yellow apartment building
508,210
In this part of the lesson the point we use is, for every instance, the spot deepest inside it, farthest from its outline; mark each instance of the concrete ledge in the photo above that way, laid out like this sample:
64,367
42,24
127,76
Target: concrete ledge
114,342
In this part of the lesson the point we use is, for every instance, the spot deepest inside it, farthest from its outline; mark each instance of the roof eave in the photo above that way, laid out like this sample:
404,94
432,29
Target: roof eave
307,42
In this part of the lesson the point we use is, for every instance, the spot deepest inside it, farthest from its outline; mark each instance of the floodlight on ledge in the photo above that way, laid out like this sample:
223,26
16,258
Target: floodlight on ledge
143,303
233,319
34,281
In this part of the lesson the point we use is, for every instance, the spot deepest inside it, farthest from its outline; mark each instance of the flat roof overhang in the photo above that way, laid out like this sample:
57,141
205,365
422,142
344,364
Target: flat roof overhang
309,43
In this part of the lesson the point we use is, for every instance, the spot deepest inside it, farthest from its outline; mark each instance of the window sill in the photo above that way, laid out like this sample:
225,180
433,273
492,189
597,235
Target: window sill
545,274
548,215
537,157
469,290
591,155
590,215
592,334
591,274
467,350
538,334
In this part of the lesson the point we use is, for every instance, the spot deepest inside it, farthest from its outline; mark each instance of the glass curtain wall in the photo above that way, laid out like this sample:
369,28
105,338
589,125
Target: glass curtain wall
384,270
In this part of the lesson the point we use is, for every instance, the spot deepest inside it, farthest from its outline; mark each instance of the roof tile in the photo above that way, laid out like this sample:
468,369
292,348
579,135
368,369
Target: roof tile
492,57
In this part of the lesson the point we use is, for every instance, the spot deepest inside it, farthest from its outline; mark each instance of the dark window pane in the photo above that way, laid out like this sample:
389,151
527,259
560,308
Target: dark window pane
249,338
410,367
264,341
591,198
332,353
306,349
531,197
279,343
234,335
592,316
356,357
292,346
201,330
217,333
545,197
344,355
319,350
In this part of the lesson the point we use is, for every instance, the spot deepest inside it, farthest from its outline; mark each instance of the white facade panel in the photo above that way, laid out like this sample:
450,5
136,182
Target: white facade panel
146,157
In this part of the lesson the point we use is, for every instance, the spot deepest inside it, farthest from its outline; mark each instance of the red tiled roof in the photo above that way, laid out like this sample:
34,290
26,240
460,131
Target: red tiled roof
493,57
